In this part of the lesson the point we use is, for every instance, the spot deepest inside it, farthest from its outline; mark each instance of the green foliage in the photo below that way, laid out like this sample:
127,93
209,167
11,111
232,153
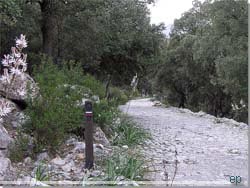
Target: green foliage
107,36
118,95
9,11
128,133
105,113
56,112
94,85
41,173
126,164
204,63
136,93
19,150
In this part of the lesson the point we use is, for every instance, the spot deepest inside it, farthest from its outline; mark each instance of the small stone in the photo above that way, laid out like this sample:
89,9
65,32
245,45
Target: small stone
71,141
125,147
68,167
79,147
43,156
80,156
95,173
58,161
27,160
234,151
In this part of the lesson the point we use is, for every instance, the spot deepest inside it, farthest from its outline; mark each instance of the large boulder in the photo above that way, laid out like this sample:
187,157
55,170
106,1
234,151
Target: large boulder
20,88
15,118
5,167
5,138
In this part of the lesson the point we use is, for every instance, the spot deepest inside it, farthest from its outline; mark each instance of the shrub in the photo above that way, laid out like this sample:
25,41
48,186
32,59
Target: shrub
128,133
55,113
104,113
118,95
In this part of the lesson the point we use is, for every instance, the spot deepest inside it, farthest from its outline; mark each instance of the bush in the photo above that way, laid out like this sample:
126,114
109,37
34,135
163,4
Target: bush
128,133
104,113
118,95
56,112
94,85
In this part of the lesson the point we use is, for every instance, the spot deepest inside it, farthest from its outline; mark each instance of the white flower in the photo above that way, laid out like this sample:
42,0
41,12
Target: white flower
21,42
5,108
15,71
21,92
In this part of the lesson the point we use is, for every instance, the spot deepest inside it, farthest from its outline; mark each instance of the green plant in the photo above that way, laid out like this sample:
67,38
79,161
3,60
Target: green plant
104,113
118,95
20,148
128,133
126,164
41,173
55,113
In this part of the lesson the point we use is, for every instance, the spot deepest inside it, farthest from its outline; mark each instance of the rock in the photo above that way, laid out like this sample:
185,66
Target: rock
71,141
100,137
69,166
99,146
5,138
43,156
58,161
80,156
125,147
15,118
157,103
233,151
79,147
95,173
27,160
12,91
95,98
5,166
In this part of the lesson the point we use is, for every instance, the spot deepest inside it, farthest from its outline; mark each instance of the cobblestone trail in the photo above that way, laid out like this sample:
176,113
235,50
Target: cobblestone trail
206,149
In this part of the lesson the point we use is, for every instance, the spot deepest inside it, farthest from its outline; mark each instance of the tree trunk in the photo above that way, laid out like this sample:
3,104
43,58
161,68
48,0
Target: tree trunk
49,29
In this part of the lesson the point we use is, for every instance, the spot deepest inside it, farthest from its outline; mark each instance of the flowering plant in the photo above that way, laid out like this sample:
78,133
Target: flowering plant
13,64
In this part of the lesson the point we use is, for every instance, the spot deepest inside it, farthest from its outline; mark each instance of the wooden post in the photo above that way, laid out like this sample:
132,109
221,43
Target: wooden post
88,134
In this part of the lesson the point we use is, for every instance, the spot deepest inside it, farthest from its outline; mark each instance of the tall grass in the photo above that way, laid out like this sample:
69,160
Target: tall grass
124,164
128,133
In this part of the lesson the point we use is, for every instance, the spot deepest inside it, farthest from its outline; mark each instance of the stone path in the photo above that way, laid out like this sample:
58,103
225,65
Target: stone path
207,150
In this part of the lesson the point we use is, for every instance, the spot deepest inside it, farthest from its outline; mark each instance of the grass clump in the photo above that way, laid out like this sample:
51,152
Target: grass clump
20,148
42,173
128,133
124,164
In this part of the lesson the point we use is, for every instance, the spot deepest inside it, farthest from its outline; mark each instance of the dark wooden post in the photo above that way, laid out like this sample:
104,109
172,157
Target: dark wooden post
88,134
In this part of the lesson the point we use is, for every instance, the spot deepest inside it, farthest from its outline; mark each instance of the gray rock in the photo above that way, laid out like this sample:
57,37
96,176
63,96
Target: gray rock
100,137
79,147
27,160
95,173
58,161
12,91
69,166
5,138
5,166
43,156
95,98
